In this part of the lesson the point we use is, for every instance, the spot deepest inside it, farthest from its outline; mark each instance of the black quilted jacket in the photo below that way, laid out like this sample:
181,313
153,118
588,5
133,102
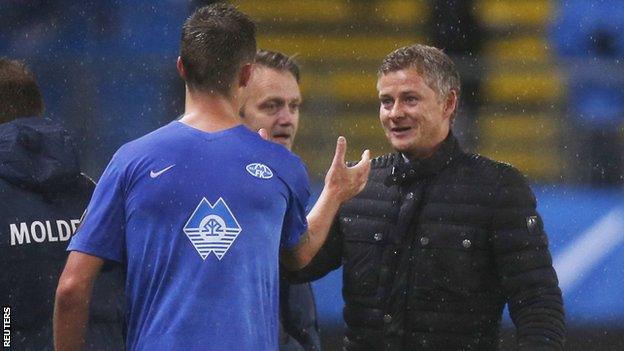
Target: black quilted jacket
432,250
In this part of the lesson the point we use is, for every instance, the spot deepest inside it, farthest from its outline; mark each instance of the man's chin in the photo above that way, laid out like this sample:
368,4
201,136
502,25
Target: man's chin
285,142
400,147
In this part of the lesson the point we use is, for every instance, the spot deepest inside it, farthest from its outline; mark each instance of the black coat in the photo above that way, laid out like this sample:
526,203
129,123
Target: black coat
42,197
432,250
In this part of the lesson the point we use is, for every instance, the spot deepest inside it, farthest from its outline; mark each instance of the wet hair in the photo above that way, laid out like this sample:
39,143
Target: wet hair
217,40
19,92
435,66
277,61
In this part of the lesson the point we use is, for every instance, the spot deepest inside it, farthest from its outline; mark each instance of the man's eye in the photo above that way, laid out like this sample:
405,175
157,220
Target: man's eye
411,99
294,107
270,107
386,103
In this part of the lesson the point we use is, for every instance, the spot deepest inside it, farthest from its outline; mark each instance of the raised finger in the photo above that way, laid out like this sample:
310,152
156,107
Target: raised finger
341,149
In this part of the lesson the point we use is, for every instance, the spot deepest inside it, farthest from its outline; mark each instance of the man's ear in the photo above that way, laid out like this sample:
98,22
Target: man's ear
180,67
450,104
245,75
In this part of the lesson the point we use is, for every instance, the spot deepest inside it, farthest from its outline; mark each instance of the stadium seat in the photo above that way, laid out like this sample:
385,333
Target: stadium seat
405,12
526,141
506,13
537,86
323,47
317,11
524,128
525,48
353,86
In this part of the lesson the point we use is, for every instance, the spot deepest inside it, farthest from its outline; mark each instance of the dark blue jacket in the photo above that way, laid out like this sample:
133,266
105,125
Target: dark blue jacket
42,197
299,329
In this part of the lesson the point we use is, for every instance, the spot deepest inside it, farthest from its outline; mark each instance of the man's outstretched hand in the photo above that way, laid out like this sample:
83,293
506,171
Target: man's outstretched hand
341,182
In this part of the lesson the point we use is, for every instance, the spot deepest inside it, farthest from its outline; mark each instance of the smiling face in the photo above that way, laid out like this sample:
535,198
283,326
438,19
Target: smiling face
272,102
414,118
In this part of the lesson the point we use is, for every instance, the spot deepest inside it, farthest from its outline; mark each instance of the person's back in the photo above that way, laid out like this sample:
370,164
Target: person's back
38,217
202,216
42,197
198,210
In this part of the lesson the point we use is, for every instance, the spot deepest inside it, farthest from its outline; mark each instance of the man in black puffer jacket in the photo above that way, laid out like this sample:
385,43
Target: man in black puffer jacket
439,240
42,196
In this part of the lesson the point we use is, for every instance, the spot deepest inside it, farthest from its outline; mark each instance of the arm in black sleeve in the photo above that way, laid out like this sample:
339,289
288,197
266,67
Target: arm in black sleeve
525,267
326,260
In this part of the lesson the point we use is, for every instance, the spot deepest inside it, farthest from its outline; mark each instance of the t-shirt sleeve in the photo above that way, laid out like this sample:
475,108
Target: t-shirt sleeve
102,232
295,222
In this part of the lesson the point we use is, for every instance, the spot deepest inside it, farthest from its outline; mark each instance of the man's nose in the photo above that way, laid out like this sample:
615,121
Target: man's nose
285,117
396,111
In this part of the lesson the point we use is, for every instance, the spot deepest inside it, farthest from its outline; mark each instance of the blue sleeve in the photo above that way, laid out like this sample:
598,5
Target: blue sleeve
295,222
102,231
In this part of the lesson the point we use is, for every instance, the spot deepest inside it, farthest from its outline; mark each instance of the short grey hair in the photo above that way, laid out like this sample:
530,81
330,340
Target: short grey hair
435,66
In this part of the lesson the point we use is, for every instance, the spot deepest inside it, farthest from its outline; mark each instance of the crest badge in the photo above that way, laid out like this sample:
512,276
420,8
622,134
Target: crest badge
259,170
212,228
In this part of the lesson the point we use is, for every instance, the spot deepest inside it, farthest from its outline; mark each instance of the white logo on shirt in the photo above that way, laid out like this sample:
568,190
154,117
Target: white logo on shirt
156,174
259,170
212,228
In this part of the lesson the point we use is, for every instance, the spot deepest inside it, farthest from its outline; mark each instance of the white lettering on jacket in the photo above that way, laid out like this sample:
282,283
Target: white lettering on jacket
41,231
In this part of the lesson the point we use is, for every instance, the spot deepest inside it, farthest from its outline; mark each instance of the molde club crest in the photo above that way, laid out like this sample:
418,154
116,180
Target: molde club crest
259,170
212,228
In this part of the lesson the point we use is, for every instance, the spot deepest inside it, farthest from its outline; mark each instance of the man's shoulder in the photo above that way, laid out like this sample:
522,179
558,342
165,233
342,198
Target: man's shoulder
161,140
291,169
282,163
380,165
489,170
279,157
157,136
86,183
383,161
278,153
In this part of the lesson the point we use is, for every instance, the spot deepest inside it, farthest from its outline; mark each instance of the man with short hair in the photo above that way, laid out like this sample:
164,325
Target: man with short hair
272,98
200,210
271,102
42,196
439,240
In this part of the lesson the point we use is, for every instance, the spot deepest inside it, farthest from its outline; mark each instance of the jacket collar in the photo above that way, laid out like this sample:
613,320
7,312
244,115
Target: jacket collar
403,172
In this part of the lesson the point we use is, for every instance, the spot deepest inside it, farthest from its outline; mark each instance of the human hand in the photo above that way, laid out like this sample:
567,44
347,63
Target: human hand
341,182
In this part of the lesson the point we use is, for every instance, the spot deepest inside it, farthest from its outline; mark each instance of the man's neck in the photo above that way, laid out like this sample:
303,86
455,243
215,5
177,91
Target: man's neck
210,112
424,153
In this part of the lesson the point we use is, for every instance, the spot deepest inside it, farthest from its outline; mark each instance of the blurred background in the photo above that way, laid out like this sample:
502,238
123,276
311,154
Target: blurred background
543,89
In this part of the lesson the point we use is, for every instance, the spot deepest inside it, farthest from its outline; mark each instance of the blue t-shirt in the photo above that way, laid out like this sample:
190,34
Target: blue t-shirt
199,218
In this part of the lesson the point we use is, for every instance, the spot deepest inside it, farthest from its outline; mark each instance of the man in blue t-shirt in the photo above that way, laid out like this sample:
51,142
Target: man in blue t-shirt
200,210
